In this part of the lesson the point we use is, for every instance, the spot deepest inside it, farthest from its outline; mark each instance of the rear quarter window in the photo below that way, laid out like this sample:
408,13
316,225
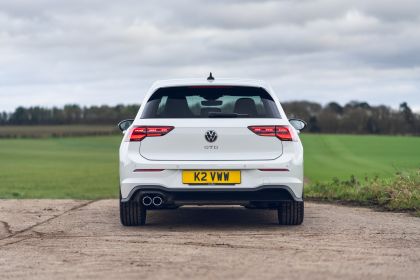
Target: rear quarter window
210,102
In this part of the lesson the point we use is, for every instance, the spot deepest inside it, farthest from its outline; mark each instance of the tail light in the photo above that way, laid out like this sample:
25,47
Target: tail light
141,132
284,133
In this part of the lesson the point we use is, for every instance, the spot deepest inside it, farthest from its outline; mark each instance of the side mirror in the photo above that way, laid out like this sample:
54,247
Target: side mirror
125,124
298,124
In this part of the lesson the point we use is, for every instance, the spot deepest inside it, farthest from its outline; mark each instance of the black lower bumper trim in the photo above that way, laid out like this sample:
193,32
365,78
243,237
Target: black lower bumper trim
267,193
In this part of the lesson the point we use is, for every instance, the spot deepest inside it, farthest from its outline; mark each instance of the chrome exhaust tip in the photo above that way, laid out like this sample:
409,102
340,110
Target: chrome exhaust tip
157,201
147,200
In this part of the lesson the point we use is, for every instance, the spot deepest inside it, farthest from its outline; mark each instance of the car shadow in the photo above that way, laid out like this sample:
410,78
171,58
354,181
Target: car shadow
206,217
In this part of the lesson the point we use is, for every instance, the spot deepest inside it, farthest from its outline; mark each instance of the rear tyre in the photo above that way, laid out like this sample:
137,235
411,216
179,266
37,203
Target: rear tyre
291,213
132,213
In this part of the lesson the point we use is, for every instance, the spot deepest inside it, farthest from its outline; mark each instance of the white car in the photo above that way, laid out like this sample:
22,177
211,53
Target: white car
211,141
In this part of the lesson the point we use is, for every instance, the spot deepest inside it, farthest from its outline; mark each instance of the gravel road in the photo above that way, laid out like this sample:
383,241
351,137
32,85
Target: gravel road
67,239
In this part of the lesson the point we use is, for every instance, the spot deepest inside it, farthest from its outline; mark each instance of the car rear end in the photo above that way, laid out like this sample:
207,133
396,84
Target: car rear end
224,142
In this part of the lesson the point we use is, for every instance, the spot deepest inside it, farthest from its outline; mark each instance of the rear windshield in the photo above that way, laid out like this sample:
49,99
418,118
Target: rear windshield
210,102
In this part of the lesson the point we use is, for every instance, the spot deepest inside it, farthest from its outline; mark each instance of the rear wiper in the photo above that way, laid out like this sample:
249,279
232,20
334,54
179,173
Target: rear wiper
226,115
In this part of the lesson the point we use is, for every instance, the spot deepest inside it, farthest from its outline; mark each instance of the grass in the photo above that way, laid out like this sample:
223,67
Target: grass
87,168
340,156
400,192
381,171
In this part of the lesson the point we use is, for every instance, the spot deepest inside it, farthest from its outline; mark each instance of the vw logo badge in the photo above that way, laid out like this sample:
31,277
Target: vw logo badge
210,136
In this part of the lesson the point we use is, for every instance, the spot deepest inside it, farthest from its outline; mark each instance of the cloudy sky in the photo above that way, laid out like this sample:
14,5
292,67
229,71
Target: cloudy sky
107,52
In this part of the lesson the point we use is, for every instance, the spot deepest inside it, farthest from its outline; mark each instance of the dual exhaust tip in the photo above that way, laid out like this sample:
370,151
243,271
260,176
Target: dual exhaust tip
156,200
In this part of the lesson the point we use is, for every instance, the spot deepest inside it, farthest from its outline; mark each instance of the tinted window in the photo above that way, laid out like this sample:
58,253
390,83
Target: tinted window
210,102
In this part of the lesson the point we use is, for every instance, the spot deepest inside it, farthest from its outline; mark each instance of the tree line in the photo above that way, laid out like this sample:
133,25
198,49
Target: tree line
69,114
354,117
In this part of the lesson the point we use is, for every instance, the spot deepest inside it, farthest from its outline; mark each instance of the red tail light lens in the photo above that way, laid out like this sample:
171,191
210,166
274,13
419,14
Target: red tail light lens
282,132
263,130
153,131
138,134
141,132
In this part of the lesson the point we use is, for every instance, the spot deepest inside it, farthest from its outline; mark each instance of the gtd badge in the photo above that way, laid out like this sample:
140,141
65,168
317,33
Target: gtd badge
210,136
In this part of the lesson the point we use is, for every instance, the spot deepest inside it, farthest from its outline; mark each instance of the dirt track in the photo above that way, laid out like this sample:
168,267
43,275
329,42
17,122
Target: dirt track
69,239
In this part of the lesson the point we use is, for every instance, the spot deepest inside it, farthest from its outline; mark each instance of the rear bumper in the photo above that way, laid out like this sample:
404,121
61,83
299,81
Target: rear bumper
262,194
252,175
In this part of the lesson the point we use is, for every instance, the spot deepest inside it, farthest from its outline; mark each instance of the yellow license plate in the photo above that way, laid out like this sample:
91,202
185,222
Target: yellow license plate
211,177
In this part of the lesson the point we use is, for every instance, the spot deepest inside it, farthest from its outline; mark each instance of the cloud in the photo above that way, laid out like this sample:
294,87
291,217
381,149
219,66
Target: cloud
93,52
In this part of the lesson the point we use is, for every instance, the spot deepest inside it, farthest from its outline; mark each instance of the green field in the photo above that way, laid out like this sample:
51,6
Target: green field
87,167
328,156
84,167
45,131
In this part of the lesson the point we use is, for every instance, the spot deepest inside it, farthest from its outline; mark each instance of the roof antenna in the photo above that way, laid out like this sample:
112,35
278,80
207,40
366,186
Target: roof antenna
210,78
